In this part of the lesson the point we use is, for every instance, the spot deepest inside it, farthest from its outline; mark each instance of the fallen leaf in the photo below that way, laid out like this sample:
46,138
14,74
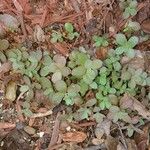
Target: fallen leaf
146,26
142,140
101,53
128,101
9,21
62,48
38,34
76,136
103,128
97,141
111,143
5,67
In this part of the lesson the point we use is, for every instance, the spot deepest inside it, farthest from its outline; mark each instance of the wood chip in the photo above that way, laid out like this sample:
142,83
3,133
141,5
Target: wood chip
76,136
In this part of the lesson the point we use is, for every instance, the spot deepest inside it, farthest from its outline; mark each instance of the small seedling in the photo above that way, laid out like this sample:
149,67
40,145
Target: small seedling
70,31
100,41
56,37
126,46
129,7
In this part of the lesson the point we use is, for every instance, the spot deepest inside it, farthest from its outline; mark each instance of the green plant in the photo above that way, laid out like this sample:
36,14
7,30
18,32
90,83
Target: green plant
70,31
56,37
131,26
116,114
129,7
126,46
100,41
104,101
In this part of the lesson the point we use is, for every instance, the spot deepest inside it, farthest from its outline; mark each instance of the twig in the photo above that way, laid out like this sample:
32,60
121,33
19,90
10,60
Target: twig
38,115
55,132
123,139
85,124
18,107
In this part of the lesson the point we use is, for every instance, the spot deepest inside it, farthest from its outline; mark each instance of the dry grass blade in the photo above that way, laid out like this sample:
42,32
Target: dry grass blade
55,132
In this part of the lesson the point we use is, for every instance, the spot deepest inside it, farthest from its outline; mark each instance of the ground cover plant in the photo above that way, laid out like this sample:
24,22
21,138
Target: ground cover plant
73,85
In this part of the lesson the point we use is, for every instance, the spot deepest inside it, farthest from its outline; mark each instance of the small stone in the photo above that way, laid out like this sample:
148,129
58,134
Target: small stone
11,91
29,130
4,44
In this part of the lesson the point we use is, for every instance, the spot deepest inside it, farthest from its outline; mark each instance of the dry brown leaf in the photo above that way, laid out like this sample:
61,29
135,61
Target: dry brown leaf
76,136
62,48
103,128
146,25
101,53
142,140
128,101
39,34
5,67
111,143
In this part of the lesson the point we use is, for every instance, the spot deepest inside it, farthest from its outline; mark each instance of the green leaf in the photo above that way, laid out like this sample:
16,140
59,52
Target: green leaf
119,50
88,64
81,58
45,83
69,27
27,112
148,81
112,90
84,113
44,71
103,79
99,96
56,37
93,85
121,39
98,117
91,102
57,97
24,88
117,66
48,91
79,71
83,88
126,13
65,71
125,75
130,53
57,76
132,11
2,57
61,86
91,74
130,131
47,60
133,41
73,88
60,60
53,68
96,64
